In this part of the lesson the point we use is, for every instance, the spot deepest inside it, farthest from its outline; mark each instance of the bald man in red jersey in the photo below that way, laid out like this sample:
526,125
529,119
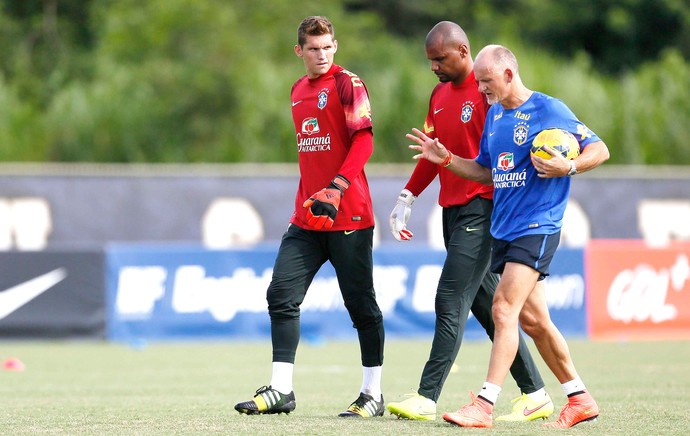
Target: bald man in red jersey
456,116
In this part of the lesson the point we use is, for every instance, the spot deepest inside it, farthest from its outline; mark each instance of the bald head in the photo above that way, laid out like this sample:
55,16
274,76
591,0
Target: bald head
448,50
496,71
496,58
447,33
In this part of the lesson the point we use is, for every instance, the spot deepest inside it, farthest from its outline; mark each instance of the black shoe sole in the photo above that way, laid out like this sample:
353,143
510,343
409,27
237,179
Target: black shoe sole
285,408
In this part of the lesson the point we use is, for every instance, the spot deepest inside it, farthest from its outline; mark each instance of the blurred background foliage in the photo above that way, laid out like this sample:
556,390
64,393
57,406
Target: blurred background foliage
209,80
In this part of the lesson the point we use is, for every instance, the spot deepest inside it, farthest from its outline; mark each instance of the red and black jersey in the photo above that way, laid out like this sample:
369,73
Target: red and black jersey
332,117
456,117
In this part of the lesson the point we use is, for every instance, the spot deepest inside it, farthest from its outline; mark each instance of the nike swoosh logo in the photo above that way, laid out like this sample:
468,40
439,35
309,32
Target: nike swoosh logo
438,110
471,229
295,103
491,133
528,412
349,232
17,296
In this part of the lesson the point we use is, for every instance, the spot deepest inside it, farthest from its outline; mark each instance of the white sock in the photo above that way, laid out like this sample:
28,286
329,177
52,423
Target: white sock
490,391
281,380
573,386
537,395
371,381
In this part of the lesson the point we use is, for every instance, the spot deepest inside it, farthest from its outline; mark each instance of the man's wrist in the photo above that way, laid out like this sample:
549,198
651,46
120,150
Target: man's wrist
573,169
340,183
447,161
406,197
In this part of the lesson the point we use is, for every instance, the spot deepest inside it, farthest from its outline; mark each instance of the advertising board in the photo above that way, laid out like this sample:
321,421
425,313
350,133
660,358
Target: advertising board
638,292
165,292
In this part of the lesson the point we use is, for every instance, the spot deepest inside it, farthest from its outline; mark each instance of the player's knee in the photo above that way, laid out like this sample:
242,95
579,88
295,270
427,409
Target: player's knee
446,308
282,309
372,321
504,314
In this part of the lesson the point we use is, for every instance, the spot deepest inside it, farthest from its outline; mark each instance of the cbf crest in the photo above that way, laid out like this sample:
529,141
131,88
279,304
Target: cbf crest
323,99
466,112
520,133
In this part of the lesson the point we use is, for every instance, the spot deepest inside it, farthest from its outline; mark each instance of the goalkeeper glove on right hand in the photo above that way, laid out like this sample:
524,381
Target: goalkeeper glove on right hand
323,205
400,215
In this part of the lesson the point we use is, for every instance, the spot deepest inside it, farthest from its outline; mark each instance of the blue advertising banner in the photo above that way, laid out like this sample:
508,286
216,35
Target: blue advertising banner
565,292
182,292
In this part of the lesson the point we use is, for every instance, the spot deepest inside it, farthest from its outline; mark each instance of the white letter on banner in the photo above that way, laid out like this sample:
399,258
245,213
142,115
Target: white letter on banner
244,291
323,296
565,291
187,291
424,293
639,294
222,297
390,285
138,289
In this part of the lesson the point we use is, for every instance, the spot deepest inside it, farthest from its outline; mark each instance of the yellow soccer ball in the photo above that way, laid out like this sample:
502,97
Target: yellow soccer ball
559,140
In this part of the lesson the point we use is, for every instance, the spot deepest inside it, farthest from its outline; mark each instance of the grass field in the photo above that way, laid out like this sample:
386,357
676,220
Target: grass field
84,388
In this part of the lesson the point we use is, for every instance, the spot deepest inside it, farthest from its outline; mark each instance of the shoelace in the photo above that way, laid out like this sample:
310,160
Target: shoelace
473,406
515,400
359,404
262,389
468,407
355,408
565,412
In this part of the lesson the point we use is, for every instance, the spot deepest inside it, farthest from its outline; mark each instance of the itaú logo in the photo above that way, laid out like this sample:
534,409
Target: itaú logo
640,294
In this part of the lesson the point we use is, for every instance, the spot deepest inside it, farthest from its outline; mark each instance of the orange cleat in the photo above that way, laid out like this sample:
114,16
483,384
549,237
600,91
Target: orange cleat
580,408
476,414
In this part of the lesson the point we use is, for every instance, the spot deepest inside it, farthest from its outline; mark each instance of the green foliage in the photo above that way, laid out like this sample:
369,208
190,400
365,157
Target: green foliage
617,34
22,136
656,125
209,81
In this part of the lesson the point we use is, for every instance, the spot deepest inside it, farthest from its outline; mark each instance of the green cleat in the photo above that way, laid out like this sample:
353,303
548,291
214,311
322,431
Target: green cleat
527,409
364,407
417,407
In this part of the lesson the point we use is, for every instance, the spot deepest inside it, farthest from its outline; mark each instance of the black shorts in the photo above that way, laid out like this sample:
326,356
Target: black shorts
535,251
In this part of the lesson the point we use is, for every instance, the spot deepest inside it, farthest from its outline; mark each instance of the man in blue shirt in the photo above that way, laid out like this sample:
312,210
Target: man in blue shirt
456,115
530,196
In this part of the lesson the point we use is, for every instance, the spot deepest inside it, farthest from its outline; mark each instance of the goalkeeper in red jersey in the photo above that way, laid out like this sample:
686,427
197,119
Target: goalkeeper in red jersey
333,221
456,117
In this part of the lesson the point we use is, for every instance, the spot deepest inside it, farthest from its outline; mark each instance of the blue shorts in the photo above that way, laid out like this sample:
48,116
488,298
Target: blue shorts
535,251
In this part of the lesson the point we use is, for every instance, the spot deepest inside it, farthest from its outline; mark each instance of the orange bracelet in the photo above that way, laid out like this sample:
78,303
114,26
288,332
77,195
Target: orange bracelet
448,160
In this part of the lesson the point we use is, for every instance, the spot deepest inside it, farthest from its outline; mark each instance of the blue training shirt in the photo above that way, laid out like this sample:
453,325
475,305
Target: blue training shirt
525,204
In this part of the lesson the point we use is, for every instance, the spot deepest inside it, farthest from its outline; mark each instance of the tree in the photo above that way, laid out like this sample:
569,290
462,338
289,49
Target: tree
617,34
